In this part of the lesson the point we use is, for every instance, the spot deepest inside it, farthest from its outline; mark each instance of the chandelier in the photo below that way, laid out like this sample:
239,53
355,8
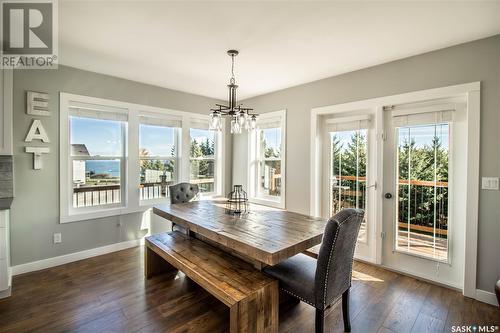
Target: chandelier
240,117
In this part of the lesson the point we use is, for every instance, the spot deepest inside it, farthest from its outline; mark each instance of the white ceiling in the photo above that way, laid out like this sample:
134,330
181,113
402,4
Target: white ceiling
182,45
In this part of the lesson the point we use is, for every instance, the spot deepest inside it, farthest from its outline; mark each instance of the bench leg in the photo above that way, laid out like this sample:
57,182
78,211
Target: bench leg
154,264
258,313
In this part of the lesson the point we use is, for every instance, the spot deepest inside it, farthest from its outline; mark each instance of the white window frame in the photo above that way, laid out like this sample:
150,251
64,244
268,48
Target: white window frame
472,92
163,122
201,124
438,109
329,124
253,149
131,197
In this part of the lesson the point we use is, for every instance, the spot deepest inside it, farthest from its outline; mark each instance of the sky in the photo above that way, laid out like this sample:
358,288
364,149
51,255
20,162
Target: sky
272,136
103,137
422,135
157,140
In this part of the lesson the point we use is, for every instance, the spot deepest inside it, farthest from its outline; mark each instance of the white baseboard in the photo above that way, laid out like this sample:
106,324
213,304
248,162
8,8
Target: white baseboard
486,297
6,293
67,258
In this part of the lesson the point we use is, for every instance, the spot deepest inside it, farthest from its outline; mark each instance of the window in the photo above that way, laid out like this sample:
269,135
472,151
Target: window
97,158
158,147
348,172
119,158
202,159
422,187
267,169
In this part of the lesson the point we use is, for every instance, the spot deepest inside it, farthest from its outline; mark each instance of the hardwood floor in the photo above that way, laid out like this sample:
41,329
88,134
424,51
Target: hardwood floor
109,294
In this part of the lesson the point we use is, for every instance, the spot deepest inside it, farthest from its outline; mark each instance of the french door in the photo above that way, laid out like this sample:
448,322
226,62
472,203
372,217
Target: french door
349,176
419,227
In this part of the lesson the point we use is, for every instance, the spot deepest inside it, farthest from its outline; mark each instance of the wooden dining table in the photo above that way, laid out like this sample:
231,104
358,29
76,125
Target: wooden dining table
263,236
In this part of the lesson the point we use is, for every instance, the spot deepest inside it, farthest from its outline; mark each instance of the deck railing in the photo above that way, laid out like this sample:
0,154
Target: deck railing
86,196
424,207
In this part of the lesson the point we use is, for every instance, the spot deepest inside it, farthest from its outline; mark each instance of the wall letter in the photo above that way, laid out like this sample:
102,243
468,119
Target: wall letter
37,104
37,155
37,132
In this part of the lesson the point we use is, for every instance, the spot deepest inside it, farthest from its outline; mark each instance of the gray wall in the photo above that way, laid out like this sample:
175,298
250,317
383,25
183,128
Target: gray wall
475,61
35,209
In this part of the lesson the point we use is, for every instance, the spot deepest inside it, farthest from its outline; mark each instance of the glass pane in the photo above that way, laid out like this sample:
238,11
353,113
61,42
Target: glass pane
156,176
202,163
96,182
202,173
422,215
156,141
270,178
269,166
348,173
202,143
270,143
96,137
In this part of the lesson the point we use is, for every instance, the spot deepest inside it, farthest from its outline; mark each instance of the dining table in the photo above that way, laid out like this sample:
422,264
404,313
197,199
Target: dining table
262,236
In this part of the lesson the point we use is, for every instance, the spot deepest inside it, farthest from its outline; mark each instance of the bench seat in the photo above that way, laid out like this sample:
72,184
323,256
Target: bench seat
251,296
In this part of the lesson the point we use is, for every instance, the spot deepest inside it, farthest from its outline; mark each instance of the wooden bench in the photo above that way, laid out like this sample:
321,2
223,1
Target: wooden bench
251,296
313,251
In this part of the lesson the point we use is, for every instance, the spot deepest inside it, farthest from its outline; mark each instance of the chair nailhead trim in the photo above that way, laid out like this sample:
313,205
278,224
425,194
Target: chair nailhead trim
297,296
330,258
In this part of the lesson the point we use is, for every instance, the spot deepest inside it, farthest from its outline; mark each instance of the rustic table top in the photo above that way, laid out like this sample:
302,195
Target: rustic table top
266,235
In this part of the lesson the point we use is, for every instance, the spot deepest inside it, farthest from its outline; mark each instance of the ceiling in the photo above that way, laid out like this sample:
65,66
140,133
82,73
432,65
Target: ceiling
182,45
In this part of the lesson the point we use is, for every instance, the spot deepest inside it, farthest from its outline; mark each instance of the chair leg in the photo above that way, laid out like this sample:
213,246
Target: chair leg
320,321
345,311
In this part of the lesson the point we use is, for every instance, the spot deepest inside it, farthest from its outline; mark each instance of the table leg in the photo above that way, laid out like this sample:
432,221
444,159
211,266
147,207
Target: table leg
257,313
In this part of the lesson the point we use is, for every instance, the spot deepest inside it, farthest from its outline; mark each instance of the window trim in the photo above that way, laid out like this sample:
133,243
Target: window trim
472,92
131,199
217,160
253,160
176,159
451,169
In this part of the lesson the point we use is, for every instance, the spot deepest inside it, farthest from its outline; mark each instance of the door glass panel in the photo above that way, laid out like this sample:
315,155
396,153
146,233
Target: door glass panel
348,173
422,190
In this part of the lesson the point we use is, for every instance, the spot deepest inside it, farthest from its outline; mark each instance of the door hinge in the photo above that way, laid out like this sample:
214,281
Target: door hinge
382,235
383,136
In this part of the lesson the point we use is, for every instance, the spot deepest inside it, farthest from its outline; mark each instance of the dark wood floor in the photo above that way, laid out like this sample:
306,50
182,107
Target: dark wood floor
109,294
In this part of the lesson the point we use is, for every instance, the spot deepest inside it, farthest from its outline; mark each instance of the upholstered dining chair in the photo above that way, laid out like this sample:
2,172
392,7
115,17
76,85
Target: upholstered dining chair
183,192
322,282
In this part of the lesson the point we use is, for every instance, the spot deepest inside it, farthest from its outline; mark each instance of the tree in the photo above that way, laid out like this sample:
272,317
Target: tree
423,204
202,168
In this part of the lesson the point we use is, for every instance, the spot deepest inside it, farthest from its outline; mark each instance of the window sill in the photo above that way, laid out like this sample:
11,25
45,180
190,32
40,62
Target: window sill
85,216
268,202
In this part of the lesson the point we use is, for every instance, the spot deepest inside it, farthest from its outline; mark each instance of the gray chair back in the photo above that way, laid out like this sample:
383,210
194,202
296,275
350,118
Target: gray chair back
334,265
183,192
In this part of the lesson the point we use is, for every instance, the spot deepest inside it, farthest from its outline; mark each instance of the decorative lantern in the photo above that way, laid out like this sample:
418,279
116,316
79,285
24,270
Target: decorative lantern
237,202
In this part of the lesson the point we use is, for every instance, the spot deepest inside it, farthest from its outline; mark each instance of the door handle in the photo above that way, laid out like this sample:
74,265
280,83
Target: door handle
388,195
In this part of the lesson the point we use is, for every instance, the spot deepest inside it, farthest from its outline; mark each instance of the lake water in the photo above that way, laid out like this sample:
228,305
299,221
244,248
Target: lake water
110,167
